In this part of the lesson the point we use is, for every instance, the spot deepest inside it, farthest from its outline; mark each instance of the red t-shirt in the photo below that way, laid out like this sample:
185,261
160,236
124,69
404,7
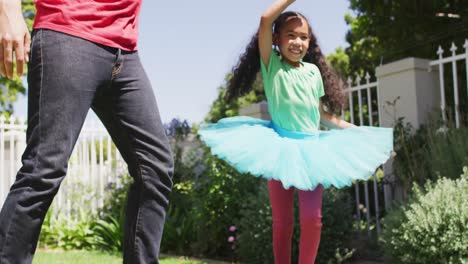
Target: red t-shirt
112,23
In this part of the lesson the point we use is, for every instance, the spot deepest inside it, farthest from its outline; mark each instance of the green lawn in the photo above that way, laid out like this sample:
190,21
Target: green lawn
89,257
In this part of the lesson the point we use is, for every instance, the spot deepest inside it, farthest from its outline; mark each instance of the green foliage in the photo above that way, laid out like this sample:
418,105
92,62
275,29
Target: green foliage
46,237
179,230
109,228
205,199
340,62
220,108
116,198
431,227
68,233
363,51
380,33
109,234
219,194
428,152
76,234
255,228
337,226
9,90
88,231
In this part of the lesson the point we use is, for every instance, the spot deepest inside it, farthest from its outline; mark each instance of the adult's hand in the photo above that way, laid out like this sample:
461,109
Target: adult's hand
14,38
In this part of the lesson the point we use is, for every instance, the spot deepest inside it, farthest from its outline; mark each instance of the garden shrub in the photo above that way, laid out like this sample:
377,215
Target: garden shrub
428,152
67,233
431,227
337,221
179,230
255,230
109,234
84,229
109,228
219,194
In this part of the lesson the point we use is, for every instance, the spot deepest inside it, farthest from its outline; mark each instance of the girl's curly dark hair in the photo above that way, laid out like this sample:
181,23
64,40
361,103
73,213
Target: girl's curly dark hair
245,72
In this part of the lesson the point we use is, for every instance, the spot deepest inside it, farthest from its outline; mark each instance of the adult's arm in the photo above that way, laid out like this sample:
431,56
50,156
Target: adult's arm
14,38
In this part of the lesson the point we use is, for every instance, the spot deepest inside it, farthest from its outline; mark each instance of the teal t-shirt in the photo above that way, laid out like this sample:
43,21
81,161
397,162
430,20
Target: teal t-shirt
293,94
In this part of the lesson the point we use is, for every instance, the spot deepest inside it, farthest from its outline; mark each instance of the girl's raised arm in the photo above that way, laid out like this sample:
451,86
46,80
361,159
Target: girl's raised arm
265,31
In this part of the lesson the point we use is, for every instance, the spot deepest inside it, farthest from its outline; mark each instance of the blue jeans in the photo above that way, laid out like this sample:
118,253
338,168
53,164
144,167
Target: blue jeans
68,76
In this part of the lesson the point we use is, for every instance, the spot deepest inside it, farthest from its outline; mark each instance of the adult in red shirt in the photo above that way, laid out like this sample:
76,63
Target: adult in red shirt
83,55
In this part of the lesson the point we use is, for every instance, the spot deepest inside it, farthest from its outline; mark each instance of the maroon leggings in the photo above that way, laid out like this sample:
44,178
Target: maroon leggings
310,209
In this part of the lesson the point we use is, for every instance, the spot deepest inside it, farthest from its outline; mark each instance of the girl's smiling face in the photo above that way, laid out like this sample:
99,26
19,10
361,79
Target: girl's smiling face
293,40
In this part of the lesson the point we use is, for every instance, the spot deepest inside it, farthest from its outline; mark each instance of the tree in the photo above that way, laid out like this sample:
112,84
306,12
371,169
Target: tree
339,61
389,30
220,108
9,89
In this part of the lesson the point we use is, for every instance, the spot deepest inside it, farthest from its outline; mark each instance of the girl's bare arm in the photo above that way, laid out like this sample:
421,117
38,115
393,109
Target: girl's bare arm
265,32
331,120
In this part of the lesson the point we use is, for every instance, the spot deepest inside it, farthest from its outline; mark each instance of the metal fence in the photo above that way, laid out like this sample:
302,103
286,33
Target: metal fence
456,79
366,93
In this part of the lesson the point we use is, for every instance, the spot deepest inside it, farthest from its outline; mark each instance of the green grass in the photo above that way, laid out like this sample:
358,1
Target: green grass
94,257
75,257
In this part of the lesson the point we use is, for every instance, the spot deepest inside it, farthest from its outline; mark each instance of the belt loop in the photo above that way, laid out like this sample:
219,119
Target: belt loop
117,64
118,57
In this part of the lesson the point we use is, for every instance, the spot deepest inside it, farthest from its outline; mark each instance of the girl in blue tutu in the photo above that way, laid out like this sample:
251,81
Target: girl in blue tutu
290,151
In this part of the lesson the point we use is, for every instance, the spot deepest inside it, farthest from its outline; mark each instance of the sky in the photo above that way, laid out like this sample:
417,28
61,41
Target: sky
187,47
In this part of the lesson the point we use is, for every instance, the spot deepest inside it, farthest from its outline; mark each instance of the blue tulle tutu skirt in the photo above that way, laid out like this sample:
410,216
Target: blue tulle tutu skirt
300,160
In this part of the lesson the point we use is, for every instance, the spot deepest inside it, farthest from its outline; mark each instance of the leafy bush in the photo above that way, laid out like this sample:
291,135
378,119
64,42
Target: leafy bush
109,229
337,225
179,232
115,198
255,227
219,194
426,153
221,108
47,232
205,200
86,230
68,233
109,234
431,227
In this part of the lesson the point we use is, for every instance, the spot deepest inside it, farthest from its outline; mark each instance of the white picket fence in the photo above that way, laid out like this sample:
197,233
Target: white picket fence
453,59
93,165
367,95
12,144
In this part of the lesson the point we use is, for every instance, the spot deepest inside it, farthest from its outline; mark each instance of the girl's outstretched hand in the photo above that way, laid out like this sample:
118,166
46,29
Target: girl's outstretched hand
14,38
